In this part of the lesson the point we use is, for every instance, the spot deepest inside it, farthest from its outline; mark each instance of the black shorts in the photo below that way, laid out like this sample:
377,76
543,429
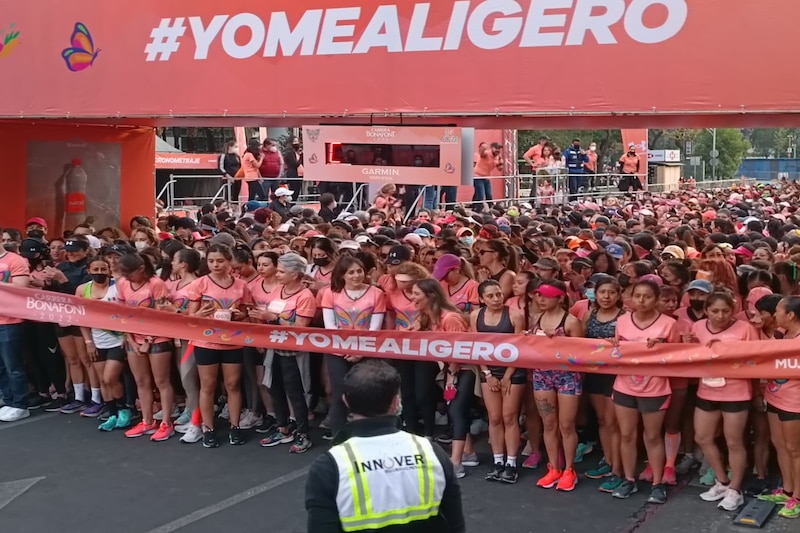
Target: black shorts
599,384
519,377
643,405
208,356
783,416
68,331
725,407
116,353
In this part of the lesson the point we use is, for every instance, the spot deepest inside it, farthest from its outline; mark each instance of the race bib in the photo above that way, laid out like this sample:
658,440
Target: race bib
223,314
276,306
714,383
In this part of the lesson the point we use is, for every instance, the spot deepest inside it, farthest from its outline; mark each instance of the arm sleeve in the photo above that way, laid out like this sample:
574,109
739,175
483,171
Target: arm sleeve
221,162
321,487
376,321
451,508
329,316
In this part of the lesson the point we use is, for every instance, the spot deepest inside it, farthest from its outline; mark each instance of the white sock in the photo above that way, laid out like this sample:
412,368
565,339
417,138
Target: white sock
80,392
498,458
96,396
511,461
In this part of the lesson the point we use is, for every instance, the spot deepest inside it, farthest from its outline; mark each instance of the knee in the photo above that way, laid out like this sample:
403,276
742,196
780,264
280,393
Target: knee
549,424
567,427
703,438
510,420
232,385
792,448
163,383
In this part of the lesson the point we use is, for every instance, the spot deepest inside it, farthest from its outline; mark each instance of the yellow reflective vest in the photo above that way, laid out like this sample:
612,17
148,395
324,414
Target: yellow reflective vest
387,480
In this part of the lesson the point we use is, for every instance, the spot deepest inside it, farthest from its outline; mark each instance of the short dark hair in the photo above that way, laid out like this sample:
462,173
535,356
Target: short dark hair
370,387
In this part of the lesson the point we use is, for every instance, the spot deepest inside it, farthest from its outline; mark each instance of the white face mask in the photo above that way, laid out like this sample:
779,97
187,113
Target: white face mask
140,245
592,148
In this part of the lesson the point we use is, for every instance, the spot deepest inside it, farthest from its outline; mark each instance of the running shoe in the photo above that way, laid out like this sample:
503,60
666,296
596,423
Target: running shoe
791,509
658,494
583,450
732,501
625,489
326,423
210,439
13,414
757,487
276,438
225,413
445,438
301,444
183,428
459,471
176,412
551,479
109,425
93,411
509,475
72,407
142,428
327,435
715,493
185,418
686,463
603,470
268,425
192,434
610,484
249,419
124,419
440,419
709,478
647,474
778,497
35,401
235,436
533,460
568,481
56,405
495,472
470,459
669,477
164,432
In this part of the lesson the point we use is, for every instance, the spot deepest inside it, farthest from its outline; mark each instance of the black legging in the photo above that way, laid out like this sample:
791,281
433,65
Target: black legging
287,381
459,408
337,369
44,359
417,386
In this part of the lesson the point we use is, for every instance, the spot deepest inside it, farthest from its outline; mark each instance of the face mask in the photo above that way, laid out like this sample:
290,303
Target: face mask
590,295
273,148
296,146
11,247
140,245
468,241
631,153
609,239
99,278
697,305
322,261
36,234
624,281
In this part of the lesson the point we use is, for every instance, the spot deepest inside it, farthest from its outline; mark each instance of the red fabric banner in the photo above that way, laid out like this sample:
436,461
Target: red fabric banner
755,359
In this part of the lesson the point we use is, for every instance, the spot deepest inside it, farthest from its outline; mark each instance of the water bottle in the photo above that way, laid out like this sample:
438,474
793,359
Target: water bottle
75,195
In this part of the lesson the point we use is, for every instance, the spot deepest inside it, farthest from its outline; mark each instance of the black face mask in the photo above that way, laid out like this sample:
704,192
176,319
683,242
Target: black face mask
11,247
697,305
624,281
296,146
322,261
631,153
36,234
99,278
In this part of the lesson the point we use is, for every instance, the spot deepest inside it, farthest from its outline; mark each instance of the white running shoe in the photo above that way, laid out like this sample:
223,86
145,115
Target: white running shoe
225,413
183,428
193,434
715,493
12,414
732,501
249,420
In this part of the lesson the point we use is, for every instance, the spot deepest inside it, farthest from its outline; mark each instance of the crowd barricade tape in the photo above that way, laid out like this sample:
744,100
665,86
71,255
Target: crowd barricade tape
752,359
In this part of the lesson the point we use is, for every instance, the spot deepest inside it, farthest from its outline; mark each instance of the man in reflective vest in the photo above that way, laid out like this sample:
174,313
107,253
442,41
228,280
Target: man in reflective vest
377,477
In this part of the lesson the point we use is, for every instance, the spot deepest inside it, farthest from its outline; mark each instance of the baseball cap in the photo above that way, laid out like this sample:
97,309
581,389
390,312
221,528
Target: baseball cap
185,223
414,239
594,279
94,242
282,191
36,220
364,239
675,251
547,263
223,238
444,265
30,247
76,245
252,205
349,245
398,254
119,249
422,232
615,251
702,285
743,251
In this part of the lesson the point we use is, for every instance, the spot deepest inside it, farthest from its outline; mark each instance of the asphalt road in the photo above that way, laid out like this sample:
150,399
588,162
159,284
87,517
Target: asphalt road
57,472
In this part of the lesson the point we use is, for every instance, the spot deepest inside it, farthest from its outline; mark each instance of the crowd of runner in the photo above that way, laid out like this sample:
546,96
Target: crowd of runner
682,267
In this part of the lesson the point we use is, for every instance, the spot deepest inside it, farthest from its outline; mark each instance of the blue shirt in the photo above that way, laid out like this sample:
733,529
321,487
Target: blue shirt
575,160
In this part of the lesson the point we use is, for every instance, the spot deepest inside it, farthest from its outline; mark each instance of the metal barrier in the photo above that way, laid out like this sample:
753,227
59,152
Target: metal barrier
173,203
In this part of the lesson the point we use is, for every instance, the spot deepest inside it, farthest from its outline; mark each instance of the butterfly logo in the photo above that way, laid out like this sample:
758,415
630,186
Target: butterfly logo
313,135
449,168
81,53
9,41
313,159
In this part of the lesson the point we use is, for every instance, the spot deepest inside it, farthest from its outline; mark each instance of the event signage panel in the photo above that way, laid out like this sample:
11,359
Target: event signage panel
388,154
754,359
340,58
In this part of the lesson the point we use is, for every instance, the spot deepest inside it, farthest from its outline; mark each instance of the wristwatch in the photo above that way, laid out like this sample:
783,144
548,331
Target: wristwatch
486,373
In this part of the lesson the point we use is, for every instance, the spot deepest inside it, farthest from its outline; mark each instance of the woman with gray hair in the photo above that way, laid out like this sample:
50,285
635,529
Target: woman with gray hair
287,373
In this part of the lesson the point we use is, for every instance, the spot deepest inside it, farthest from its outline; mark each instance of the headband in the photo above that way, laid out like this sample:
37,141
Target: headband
403,277
549,291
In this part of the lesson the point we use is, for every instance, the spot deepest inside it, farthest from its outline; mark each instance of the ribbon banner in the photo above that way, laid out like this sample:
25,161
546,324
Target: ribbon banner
754,359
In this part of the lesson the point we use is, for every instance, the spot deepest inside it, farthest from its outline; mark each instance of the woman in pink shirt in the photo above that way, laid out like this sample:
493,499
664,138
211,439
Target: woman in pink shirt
723,399
647,396
783,410
251,163
150,358
222,296
455,275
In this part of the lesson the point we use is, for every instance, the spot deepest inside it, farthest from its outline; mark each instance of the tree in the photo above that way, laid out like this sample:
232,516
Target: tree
732,146
671,139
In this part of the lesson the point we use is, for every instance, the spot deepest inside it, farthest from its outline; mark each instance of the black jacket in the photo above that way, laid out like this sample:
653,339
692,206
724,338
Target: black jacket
323,484
76,274
284,210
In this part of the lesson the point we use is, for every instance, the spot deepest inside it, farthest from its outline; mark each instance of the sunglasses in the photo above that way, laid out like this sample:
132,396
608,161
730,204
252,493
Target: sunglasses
483,252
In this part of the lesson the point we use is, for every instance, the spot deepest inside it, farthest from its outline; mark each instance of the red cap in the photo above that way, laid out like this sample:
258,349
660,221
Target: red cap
36,220
163,236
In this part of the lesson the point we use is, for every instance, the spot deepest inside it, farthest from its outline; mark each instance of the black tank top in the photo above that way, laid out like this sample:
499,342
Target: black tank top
499,275
503,326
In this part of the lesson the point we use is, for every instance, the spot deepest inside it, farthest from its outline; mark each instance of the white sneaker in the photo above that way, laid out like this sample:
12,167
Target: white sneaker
3,409
715,493
12,414
527,450
192,435
249,420
225,413
732,501
183,428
